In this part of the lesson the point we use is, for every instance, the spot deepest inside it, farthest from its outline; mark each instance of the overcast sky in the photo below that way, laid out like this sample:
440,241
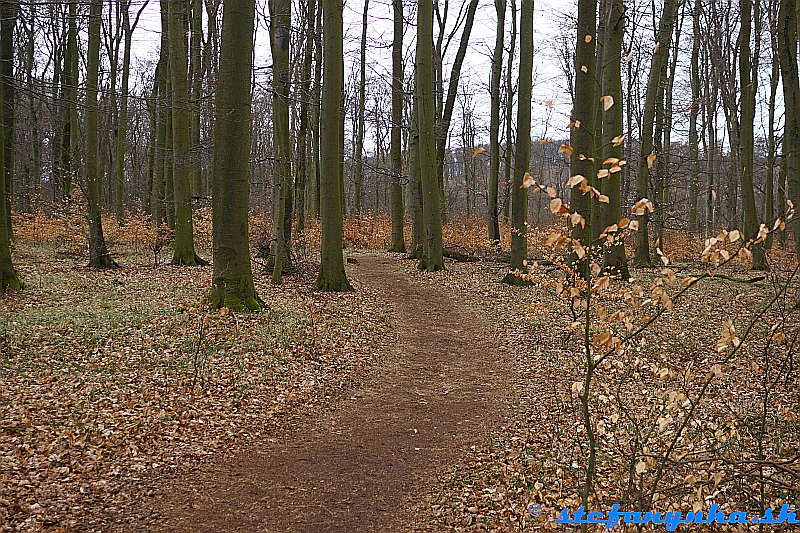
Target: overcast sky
550,19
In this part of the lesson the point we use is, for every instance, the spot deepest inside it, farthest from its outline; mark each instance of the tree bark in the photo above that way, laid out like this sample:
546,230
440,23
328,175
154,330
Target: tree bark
494,124
359,148
694,163
583,127
8,275
432,258
398,237
614,258
182,167
331,275
787,27
98,253
748,80
280,27
233,277
522,156
654,82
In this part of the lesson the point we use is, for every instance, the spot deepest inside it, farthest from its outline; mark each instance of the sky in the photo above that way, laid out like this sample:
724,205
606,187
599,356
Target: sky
551,18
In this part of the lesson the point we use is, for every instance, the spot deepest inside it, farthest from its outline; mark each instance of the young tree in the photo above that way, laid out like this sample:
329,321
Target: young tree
331,275
233,277
522,157
181,136
432,254
98,253
398,238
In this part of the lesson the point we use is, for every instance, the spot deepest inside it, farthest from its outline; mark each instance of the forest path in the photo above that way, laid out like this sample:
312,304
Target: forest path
363,464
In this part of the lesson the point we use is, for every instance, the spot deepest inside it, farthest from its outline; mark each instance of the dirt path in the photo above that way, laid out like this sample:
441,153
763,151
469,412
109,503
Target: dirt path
362,465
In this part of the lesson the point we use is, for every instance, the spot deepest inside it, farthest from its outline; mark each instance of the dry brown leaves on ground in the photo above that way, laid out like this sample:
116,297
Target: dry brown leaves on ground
540,458
111,378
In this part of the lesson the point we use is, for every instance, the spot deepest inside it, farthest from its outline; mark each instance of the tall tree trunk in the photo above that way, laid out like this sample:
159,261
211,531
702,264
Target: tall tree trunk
233,277
398,237
494,124
8,275
787,27
303,137
71,175
583,127
98,254
184,253
331,275
162,112
522,157
654,83
7,26
315,117
196,80
694,163
614,258
122,121
774,80
417,217
432,256
280,26
509,152
359,148
748,79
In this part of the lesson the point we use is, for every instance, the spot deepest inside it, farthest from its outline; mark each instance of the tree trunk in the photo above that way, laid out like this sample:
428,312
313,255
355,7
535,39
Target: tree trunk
398,237
494,126
233,277
694,163
315,117
614,259
196,79
7,26
302,137
791,93
359,148
654,83
122,120
8,275
583,127
522,157
748,79
280,26
98,254
331,275
509,152
417,217
184,253
432,258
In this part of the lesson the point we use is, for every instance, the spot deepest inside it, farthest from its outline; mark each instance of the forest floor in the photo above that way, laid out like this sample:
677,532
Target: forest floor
421,401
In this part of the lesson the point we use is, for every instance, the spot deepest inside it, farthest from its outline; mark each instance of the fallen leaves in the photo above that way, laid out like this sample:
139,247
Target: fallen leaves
107,379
